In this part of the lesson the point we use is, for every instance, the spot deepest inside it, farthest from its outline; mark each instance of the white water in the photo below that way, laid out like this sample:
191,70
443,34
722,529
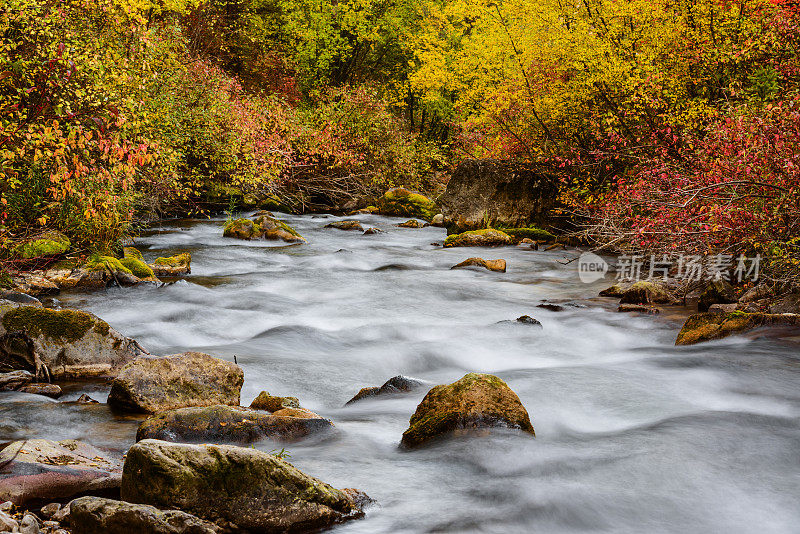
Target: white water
633,434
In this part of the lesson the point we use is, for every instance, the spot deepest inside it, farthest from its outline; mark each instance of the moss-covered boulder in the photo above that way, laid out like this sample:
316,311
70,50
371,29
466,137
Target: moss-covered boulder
231,424
488,237
47,244
241,489
474,401
394,386
716,292
176,265
645,292
707,326
532,233
132,252
273,403
411,223
44,470
241,229
349,225
491,265
615,291
110,270
401,202
157,383
62,343
275,229
98,515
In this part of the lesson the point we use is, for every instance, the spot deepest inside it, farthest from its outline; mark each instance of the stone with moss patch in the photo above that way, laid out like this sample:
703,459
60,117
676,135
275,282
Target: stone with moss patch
707,326
532,233
63,343
644,292
475,401
176,265
273,403
272,228
401,202
252,490
139,268
132,252
47,244
488,237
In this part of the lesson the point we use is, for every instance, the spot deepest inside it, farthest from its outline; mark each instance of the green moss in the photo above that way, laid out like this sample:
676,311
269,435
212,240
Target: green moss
49,244
137,267
132,252
402,202
178,260
537,234
106,263
241,229
485,237
61,325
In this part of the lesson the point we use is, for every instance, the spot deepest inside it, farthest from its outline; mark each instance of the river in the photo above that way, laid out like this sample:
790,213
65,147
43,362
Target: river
633,434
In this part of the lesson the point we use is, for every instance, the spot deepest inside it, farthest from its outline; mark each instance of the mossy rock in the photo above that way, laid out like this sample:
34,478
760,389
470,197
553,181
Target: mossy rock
251,489
272,403
106,263
349,225
47,244
139,268
644,292
132,252
475,401
57,325
242,229
488,237
491,265
707,326
717,292
98,515
401,202
274,203
411,223
532,233
173,265
615,291
272,228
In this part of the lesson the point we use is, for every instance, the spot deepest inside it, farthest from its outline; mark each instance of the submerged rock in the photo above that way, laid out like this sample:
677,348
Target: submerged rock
96,515
411,223
401,202
478,238
644,292
492,265
639,308
176,265
500,193
62,343
717,292
40,469
231,424
707,326
373,231
474,401
273,403
241,489
525,319
157,383
394,386
346,225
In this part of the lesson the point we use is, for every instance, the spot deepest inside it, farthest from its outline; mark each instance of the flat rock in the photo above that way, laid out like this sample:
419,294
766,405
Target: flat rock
96,515
394,386
231,424
40,469
241,489
491,265
474,401
157,383
62,343
48,390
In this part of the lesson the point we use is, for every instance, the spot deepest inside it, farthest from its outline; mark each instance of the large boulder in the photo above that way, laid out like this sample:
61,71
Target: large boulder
645,292
488,237
261,227
394,386
401,202
497,193
241,489
96,515
157,383
231,424
707,326
474,401
716,292
40,469
62,343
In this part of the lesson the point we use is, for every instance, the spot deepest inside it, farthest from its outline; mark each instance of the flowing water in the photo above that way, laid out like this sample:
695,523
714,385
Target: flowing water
633,434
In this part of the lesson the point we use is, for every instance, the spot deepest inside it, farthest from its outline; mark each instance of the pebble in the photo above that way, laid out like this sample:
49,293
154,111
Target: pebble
29,525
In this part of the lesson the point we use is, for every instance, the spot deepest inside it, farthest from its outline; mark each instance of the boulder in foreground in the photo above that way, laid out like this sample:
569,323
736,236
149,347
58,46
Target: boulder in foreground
157,383
231,424
40,469
475,401
96,515
240,489
707,326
